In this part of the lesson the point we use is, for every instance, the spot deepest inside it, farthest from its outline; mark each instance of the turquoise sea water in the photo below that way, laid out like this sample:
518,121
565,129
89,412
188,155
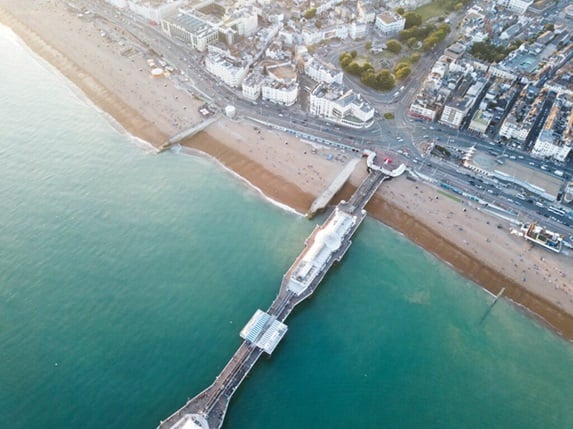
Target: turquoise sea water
125,278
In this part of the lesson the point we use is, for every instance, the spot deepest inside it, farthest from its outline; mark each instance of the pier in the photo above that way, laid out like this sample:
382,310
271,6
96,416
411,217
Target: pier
323,199
326,245
189,132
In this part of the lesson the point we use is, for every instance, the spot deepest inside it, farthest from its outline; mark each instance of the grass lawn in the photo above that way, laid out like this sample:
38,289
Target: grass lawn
431,10
445,194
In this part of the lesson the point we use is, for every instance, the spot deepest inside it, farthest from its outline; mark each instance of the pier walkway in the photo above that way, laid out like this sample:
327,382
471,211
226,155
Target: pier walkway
334,186
325,246
191,131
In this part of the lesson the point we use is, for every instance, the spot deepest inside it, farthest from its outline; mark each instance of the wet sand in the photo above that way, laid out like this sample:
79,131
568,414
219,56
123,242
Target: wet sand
290,171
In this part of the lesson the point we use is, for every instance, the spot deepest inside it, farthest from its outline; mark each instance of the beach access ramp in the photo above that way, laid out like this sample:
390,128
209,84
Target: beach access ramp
323,199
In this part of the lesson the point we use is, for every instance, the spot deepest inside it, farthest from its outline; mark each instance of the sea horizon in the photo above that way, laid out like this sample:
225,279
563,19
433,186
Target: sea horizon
125,279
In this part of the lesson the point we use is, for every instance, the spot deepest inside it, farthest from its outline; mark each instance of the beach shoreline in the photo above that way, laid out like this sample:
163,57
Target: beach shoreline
286,171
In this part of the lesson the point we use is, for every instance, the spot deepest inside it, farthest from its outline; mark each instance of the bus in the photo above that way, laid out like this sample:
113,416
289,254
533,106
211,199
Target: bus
556,210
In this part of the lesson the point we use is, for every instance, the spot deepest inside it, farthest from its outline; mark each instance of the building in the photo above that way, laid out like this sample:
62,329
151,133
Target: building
511,129
335,103
191,29
264,331
555,138
279,85
480,121
366,11
320,72
229,69
278,92
240,23
424,108
546,146
499,70
455,111
357,30
311,35
517,6
389,23
251,86
326,5
327,241
152,10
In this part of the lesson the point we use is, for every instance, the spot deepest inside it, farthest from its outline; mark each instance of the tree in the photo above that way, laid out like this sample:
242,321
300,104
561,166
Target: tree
367,67
342,56
345,59
489,52
411,42
368,78
394,46
406,34
415,57
400,11
353,54
413,19
430,43
385,80
310,13
354,68
368,45
403,72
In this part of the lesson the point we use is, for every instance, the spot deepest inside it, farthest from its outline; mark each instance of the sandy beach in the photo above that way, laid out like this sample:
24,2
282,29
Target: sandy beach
286,169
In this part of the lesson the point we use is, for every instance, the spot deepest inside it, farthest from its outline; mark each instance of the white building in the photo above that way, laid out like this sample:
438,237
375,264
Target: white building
191,29
366,12
154,11
251,86
480,121
545,147
455,112
389,23
501,71
120,4
510,129
312,35
279,86
230,70
340,105
241,23
322,73
279,93
517,6
423,109
357,30
326,5
326,242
